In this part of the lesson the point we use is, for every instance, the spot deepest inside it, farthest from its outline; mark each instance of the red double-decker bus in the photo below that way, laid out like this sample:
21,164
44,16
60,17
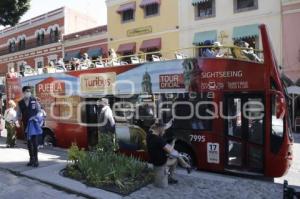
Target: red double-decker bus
229,114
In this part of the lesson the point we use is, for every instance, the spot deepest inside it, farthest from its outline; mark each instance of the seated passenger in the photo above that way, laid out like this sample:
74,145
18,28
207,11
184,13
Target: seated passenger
75,64
113,58
22,68
85,60
237,52
61,63
249,52
207,51
218,52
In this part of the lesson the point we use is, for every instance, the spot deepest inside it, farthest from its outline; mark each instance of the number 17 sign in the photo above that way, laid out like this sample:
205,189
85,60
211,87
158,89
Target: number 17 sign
213,153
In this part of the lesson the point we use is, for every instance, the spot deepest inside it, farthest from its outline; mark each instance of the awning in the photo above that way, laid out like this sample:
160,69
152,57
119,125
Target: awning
94,52
69,55
195,2
149,2
245,31
127,6
151,44
127,48
201,37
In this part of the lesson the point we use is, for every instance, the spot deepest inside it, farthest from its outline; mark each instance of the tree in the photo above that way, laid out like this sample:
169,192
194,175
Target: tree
12,10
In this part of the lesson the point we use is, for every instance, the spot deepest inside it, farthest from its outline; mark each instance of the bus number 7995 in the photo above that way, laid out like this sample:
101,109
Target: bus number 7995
197,138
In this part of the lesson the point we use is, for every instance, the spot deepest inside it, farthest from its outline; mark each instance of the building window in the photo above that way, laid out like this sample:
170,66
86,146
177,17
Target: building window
54,35
40,38
127,15
39,64
151,10
51,35
245,5
205,9
12,46
22,44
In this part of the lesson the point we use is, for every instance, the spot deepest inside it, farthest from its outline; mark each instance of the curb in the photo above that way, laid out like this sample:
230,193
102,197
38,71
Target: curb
58,187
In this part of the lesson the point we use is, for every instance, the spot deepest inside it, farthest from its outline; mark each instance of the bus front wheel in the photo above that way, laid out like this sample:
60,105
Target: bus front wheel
48,138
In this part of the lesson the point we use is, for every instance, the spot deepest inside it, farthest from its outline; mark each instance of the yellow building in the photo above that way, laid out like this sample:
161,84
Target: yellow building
138,26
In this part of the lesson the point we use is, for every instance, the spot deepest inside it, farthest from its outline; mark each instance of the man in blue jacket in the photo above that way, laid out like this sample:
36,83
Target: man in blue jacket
28,108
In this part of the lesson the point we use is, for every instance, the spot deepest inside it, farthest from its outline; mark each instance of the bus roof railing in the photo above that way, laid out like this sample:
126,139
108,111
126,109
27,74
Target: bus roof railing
225,52
182,53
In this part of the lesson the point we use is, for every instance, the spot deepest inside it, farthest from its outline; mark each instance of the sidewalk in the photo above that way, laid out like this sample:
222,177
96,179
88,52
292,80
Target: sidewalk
52,161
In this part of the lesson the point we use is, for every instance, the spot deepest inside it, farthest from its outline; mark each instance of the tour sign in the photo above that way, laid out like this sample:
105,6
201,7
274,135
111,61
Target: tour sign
171,81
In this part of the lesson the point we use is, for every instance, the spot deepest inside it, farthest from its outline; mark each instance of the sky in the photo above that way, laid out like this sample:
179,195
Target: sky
93,8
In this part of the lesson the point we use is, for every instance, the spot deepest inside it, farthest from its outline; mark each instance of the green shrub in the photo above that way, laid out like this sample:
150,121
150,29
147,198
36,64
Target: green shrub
104,167
75,154
106,143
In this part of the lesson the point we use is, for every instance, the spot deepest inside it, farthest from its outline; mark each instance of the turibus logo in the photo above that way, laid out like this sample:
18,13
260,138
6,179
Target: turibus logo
97,83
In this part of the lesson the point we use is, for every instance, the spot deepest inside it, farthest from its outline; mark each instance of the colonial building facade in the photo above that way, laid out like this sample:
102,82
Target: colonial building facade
291,40
39,40
229,20
143,26
91,41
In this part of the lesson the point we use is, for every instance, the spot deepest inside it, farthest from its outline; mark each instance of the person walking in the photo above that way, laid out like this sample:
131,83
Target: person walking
105,118
28,109
10,117
106,123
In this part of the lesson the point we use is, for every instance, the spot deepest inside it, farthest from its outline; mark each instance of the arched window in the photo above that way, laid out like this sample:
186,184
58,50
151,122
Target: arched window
52,36
56,34
12,46
40,38
21,45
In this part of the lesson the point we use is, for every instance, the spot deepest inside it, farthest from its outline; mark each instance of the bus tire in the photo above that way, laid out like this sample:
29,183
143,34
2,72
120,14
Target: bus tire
186,151
48,138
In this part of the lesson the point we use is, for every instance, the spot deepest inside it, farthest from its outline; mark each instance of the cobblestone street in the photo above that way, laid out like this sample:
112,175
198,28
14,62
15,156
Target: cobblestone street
203,185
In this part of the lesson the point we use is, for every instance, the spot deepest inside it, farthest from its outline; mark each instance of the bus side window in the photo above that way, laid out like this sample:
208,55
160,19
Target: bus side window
277,128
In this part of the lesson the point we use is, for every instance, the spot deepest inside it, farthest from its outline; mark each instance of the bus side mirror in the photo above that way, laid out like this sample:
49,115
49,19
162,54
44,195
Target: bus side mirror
280,103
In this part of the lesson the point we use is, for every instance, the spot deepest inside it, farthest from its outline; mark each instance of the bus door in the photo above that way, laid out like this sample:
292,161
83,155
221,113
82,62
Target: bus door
244,132
90,119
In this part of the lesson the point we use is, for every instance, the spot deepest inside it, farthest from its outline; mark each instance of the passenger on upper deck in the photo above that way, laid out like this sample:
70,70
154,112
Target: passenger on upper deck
75,63
218,52
249,52
62,63
112,54
113,57
207,51
237,52
22,68
85,60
